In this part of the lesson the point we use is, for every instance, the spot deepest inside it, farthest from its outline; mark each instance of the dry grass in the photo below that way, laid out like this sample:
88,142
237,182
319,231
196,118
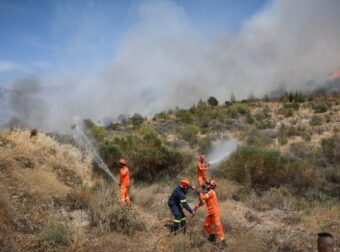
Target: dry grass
226,188
41,183
21,151
323,219
279,198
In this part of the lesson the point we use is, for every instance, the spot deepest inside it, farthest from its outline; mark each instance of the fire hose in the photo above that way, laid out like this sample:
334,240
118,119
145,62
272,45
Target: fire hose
172,233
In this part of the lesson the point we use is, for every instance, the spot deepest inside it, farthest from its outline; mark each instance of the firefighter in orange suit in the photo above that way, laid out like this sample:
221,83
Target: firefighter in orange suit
213,214
202,167
124,182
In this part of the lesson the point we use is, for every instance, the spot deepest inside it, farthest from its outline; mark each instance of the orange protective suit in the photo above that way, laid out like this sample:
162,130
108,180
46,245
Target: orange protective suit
202,167
124,184
213,214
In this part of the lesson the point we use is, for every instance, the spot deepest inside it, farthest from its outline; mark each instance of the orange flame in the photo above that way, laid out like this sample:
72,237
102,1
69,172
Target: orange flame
335,75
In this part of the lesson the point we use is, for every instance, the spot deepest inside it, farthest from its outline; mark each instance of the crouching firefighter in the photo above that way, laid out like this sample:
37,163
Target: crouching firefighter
176,200
213,213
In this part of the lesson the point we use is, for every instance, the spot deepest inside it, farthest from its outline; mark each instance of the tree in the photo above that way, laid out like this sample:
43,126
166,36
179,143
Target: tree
290,97
212,101
136,120
232,97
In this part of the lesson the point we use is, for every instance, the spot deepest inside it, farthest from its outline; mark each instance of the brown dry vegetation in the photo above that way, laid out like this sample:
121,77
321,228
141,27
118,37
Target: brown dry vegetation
51,201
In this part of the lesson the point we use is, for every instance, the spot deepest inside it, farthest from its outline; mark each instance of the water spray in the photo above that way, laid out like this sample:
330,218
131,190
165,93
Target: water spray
221,151
90,149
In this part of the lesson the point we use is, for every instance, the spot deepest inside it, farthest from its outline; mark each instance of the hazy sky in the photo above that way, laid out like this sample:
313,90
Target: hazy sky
41,36
60,59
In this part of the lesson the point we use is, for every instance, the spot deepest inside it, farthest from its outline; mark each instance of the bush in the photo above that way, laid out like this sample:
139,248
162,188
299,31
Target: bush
97,133
189,134
288,112
126,219
330,148
56,232
279,198
265,124
320,108
79,198
265,168
184,116
249,119
253,166
315,121
148,156
109,152
238,108
204,144
258,138
109,215
137,120
212,101
88,124
291,105
263,114
282,139
162,116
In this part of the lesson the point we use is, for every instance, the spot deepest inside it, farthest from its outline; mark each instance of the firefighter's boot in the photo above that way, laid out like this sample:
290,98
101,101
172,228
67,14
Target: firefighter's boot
223,246
212,238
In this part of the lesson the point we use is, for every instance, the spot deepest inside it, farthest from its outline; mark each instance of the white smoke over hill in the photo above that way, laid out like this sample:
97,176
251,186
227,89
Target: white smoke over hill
164,61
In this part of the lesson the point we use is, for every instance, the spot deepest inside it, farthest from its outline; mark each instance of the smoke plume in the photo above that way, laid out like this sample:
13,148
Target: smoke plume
164,60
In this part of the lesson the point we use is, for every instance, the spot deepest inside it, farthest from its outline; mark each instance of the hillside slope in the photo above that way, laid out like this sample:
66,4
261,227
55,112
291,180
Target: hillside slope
276,191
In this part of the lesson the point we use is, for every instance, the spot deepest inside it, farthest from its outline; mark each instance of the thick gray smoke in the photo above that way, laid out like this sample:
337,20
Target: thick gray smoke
164,61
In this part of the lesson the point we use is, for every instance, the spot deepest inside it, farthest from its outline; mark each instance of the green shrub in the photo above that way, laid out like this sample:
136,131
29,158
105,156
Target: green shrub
212,101
306,136
204,144
282,139
184,116
250,119
331,149
204,121
252,166
320,108
263,114
265,124
88,124
149,157
111,126
109,152
162,116
291,105
315,121
288,112
237,108
137,120
97,133
265,168
258,138
189,133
